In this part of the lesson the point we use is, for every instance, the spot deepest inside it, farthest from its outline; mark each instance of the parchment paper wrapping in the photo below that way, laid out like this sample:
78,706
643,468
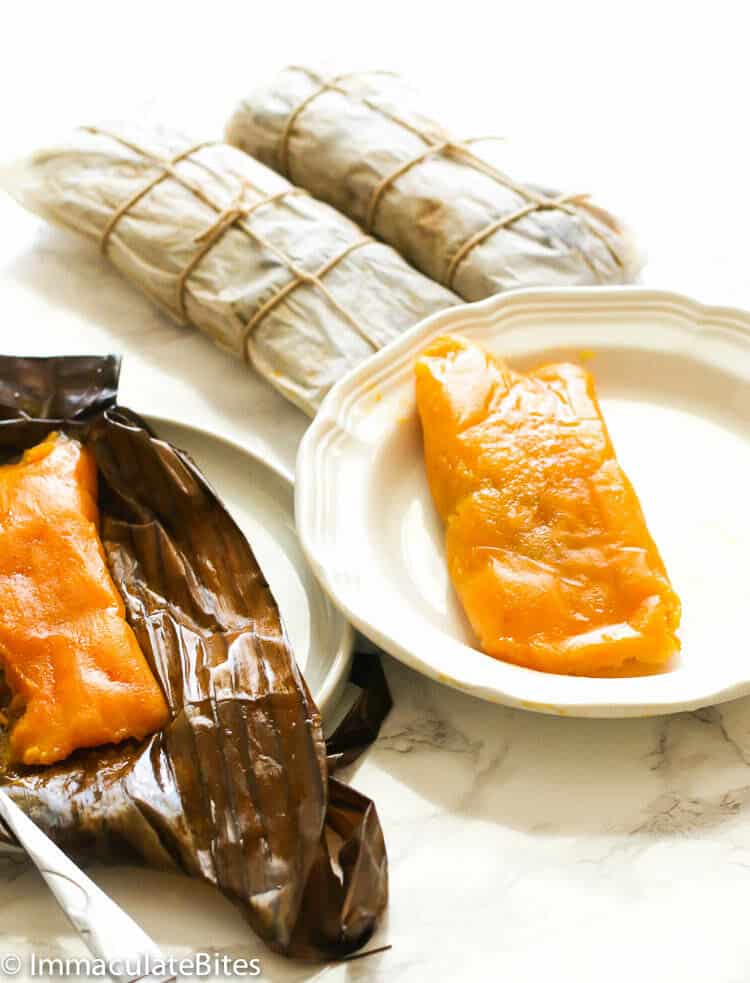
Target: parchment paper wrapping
223,243
362,143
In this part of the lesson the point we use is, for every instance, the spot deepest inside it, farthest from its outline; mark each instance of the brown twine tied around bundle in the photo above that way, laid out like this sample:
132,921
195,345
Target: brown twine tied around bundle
167,170
503,222
326,85
442,147
535,201
206,240
233,215
313,280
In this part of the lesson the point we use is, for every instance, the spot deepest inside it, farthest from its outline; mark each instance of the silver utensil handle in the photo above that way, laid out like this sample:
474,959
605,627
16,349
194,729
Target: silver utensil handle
109,933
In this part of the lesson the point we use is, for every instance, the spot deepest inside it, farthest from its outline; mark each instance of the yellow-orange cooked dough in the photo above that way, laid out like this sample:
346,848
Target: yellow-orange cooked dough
546,541
77,673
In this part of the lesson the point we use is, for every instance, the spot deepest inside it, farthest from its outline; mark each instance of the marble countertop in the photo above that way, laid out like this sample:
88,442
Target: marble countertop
522,847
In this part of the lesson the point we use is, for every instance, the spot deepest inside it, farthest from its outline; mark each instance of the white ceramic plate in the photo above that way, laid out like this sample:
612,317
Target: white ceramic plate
674,383
261,501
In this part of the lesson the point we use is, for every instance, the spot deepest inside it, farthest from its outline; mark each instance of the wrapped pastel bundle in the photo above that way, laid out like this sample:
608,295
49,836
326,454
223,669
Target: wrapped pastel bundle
131,602
225,244
361,143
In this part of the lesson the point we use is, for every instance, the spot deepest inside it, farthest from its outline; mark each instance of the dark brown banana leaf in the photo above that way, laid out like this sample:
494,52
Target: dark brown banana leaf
236,789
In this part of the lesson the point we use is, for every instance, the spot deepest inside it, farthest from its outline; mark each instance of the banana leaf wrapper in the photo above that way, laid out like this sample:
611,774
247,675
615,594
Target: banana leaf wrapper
362,143
221,242
236,789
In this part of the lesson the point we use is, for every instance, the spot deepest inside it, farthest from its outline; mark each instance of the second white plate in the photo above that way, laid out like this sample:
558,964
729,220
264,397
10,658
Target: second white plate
674,382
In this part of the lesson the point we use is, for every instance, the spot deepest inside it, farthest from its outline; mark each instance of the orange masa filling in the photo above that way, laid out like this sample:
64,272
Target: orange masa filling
72,662
546,541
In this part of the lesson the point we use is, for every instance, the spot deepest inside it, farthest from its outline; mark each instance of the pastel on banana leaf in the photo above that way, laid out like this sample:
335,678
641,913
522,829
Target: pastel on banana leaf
236,789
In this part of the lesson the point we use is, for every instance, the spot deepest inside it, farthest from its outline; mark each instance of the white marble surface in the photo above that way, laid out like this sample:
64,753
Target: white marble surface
522,847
